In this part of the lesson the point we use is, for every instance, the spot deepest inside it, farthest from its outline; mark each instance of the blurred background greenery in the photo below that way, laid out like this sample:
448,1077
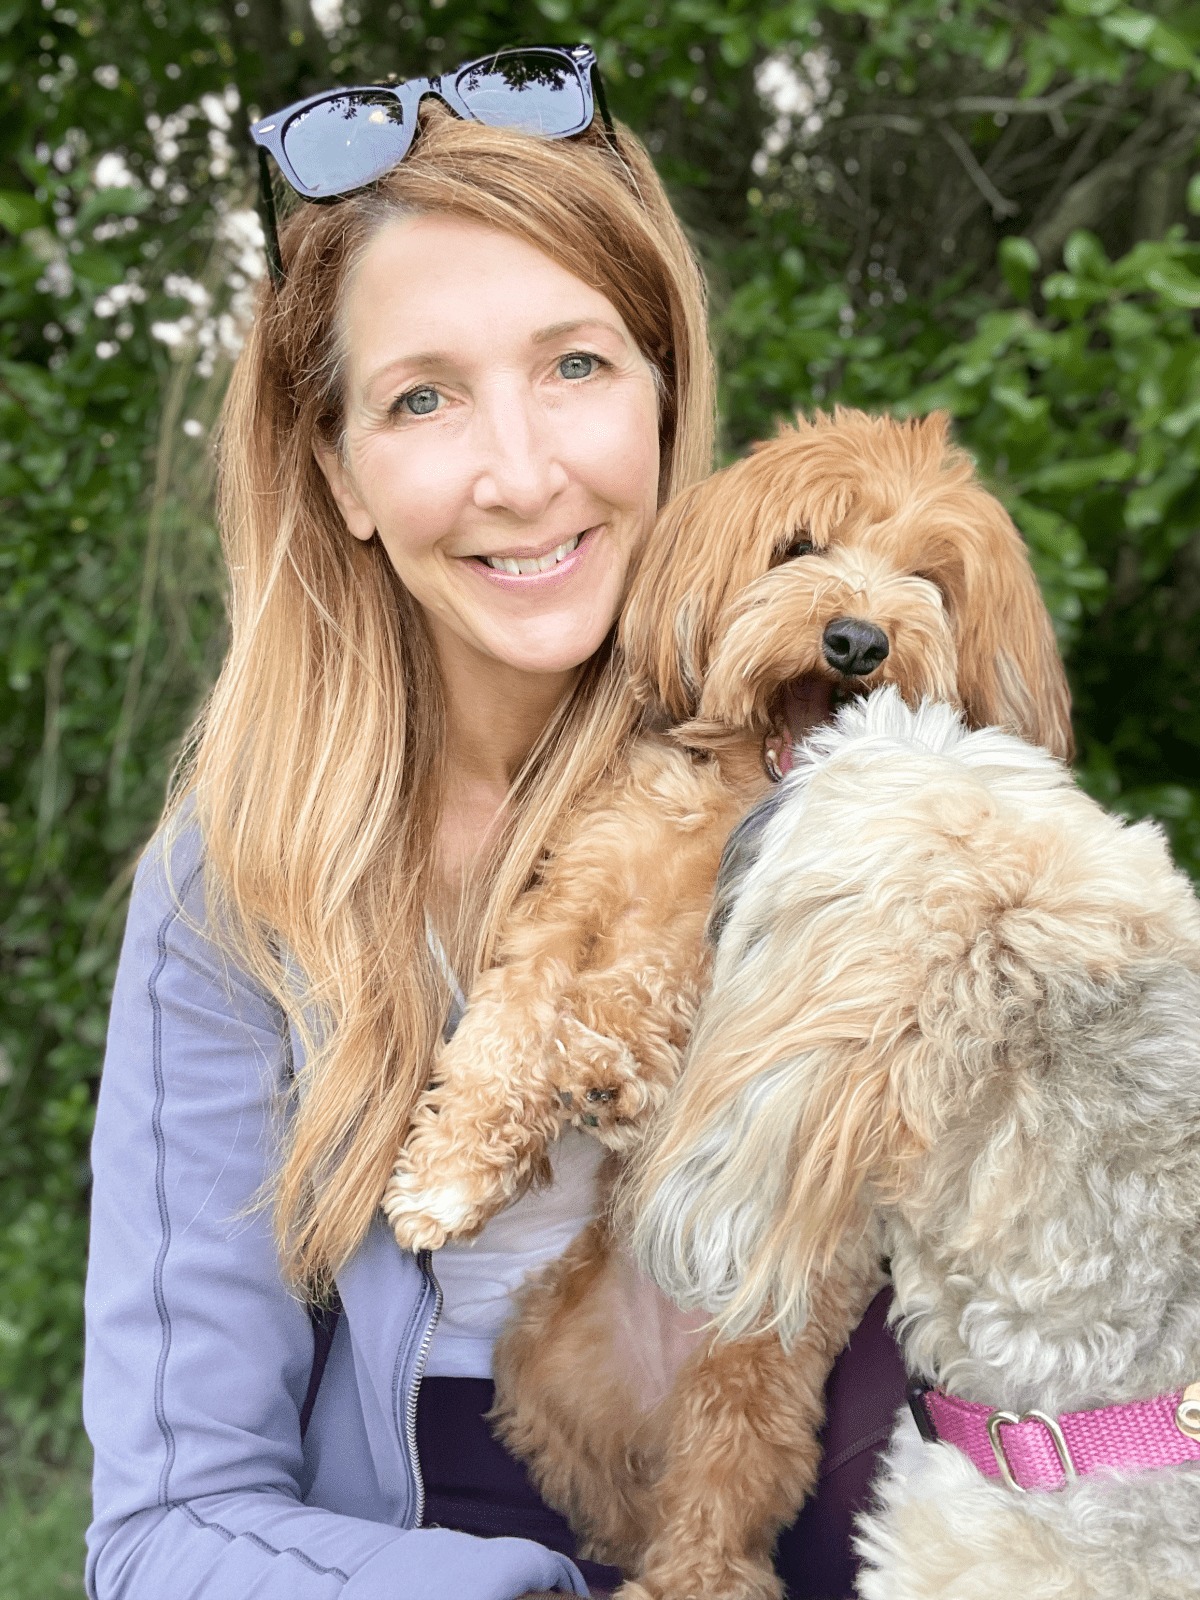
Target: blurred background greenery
986,205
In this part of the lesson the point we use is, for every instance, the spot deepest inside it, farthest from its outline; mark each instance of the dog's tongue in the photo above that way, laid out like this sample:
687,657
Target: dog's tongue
806,704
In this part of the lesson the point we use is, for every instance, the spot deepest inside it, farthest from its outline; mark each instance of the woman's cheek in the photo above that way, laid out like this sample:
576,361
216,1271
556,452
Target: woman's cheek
615,451
414,493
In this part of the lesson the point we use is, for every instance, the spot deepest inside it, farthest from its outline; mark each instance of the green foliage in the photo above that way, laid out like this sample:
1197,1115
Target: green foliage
43,1514
901,204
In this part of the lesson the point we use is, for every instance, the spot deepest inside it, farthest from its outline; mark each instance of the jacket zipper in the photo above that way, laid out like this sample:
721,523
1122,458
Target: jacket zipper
425,1262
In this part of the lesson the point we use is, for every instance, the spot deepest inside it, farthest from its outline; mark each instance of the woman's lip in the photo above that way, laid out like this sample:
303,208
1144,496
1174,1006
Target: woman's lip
526,582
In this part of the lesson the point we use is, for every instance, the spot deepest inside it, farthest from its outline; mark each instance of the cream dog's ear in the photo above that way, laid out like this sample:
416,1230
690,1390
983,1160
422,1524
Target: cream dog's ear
770,1156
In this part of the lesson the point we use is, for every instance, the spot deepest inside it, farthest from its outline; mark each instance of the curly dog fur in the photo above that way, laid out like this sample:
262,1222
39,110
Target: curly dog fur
955,999
679,1457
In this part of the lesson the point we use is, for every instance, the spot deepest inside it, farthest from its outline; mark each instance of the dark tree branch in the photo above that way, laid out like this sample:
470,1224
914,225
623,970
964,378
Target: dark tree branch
1090,199
1001,207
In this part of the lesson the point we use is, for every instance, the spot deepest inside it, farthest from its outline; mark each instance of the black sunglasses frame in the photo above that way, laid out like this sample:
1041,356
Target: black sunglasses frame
269,132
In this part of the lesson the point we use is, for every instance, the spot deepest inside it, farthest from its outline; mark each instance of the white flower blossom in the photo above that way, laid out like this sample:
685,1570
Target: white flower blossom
213,107
112,172
795,92
173,334
327,14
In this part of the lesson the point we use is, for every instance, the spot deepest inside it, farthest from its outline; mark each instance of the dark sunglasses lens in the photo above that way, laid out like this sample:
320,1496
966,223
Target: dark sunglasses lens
534,90
346,141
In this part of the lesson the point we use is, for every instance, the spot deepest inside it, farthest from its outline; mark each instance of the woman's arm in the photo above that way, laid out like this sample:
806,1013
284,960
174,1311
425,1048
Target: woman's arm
198,1358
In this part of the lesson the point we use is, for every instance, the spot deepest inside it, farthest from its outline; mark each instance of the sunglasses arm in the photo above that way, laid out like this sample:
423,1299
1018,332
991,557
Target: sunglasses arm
266,192
602,104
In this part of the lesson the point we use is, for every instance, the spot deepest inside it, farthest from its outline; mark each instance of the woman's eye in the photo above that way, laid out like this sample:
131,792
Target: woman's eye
417,402
577,366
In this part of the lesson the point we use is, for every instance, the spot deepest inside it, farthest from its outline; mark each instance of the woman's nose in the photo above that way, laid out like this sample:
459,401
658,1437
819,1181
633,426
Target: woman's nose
520,466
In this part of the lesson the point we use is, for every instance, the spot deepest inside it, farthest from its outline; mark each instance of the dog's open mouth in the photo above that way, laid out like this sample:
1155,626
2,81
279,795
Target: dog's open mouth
805,704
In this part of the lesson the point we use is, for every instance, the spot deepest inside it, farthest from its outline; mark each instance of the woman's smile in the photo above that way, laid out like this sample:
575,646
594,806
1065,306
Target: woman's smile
526,563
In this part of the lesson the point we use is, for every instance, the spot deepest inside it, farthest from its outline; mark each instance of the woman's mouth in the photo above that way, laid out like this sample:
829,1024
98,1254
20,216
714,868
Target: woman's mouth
523,566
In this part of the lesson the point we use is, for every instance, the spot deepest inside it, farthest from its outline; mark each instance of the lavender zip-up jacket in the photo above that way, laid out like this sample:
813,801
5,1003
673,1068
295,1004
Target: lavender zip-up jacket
198,1358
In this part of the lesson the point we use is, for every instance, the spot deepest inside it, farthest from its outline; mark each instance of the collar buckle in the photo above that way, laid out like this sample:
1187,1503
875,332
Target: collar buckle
1004,1419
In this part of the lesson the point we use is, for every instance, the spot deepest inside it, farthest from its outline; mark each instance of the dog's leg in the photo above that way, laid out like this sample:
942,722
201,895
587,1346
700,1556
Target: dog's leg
566,1403
623,1028
743,1452
479,1133
602,961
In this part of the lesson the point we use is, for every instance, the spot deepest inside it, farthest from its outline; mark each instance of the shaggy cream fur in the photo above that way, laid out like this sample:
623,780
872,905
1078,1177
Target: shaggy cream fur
956,999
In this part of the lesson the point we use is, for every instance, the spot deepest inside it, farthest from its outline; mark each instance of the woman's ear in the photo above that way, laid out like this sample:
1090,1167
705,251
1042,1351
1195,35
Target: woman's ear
342,487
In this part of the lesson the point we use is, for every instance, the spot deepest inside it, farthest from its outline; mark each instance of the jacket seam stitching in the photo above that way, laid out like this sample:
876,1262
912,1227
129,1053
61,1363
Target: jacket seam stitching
160,1191
257,1540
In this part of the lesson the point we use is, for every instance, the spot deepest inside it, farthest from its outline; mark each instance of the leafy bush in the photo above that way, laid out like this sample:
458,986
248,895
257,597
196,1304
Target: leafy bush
901,204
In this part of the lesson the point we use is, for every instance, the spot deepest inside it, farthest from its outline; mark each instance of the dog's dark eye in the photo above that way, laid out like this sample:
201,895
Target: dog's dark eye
798,547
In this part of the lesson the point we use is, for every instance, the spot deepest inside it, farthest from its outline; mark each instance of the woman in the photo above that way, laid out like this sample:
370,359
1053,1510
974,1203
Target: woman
469,387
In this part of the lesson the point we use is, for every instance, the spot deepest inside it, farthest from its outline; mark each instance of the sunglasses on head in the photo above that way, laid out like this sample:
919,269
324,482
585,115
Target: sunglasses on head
344,139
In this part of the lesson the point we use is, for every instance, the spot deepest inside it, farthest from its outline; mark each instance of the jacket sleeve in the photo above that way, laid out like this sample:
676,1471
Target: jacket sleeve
197,1357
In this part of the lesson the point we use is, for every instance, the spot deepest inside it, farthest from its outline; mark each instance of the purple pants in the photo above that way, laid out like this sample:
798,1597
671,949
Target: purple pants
473,1484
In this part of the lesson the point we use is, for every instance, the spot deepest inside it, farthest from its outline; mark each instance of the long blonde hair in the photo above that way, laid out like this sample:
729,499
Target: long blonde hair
316,770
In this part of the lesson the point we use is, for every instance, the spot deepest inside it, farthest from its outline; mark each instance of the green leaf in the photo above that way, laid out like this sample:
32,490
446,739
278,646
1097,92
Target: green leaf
98,267
737,47
1175,283
1025,408
1133,28
1193,194
19,212
1091,8
1019,260
999,48
1072,475
1170,50
1084,255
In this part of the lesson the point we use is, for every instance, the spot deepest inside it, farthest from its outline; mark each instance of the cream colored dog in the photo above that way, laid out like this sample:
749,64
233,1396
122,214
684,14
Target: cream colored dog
955,999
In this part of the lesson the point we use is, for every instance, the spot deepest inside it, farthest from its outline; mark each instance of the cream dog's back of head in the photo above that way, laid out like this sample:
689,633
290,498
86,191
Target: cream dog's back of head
903,929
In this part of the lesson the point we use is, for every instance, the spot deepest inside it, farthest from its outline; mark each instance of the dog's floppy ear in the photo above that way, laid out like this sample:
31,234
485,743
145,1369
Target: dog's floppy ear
679,587
1009,670
772,1148
712,541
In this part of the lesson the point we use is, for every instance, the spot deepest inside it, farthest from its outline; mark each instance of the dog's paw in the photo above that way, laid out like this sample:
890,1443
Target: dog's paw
424,1217
600,1083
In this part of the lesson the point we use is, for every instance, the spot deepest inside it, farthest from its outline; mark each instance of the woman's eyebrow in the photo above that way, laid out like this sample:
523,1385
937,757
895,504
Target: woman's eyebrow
557,329
442,358
419,358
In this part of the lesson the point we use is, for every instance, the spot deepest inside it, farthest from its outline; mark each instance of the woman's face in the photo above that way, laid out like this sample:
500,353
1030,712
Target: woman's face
501,438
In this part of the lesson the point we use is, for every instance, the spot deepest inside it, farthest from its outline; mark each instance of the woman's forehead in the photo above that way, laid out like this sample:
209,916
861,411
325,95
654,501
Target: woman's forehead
438,288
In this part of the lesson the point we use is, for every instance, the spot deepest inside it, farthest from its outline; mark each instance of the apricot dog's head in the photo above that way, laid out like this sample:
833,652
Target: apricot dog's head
846,553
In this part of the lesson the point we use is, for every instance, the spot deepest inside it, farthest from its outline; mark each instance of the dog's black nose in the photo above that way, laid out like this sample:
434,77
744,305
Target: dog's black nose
854,647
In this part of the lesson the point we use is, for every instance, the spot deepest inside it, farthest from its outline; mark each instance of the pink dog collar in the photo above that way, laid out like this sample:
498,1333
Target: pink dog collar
1037,1451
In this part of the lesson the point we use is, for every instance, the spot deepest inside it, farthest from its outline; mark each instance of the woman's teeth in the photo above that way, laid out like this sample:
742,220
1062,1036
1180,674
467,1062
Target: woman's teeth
540,564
